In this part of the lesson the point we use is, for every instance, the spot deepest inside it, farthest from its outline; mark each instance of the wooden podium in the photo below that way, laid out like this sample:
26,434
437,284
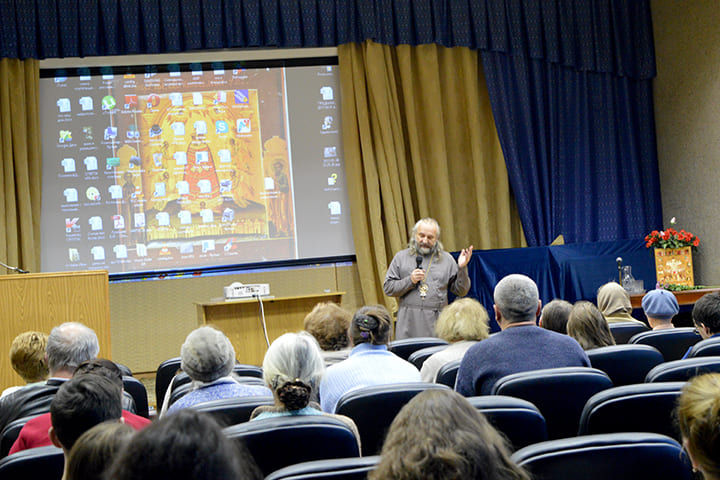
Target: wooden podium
241,320
41,301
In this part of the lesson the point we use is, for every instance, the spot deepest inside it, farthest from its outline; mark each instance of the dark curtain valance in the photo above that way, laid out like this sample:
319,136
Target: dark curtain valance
589,35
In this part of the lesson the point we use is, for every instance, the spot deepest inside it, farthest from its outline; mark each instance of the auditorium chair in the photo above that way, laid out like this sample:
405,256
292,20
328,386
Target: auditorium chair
448,373
559,393
124,369
166,371
10,433
231,411
406,346
356,468
614,456
644,407
374,408
625,364
278,442
44,463
673,343
418,357
137,391
683,370
519,420
622,332
710,347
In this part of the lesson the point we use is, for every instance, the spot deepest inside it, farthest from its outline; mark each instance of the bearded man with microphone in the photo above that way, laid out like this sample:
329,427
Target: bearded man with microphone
420,276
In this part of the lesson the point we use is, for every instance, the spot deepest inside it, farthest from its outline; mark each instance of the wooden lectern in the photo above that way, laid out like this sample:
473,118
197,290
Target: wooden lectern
241,320
41,301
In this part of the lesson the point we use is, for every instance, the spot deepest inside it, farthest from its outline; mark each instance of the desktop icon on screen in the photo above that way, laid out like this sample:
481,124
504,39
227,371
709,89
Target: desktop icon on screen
241,96
108,102
63,105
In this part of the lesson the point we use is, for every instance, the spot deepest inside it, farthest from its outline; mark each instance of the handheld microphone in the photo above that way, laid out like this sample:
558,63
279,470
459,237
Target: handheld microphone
418,261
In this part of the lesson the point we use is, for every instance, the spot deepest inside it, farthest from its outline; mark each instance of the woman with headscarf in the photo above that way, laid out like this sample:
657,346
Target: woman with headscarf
614,303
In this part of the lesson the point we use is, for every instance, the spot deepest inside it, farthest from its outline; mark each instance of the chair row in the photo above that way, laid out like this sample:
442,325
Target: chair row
620,456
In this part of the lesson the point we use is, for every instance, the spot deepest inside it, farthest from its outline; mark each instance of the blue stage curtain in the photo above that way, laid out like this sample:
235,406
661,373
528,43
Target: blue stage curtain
595,35
578,137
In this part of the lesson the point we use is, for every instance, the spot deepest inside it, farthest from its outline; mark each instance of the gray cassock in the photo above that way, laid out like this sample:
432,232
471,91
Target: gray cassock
416,315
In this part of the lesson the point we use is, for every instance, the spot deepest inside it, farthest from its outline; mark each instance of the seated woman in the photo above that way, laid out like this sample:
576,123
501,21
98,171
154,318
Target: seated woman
439,435
27,357
292,368
463,323
614,303
698,418
588,326
328,322
208,357
370,362
555,316
93,453
187,445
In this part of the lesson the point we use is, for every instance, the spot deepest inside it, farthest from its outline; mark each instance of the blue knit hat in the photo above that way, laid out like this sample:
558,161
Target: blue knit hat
660,304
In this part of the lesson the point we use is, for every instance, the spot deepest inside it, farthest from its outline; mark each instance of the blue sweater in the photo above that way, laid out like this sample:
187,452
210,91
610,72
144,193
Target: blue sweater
367,365
514,350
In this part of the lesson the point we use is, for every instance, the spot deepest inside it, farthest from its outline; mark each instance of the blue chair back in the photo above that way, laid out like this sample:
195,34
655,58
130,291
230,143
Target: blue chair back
616,456
645,407
625,364
559,393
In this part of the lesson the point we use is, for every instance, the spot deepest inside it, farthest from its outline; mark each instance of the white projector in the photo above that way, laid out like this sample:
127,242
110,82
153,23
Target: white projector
239,290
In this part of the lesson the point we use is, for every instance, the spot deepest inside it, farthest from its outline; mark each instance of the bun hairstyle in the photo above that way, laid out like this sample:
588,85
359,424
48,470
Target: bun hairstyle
292,368
371,324
295,395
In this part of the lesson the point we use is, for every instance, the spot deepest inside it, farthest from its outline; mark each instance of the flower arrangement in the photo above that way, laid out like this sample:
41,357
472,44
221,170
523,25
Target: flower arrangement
671,238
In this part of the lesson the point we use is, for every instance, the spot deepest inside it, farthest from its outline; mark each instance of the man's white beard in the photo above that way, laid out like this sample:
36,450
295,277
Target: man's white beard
425,250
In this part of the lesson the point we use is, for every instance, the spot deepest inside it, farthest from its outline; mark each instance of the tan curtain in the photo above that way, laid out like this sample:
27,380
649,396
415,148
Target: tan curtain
419,141
20,174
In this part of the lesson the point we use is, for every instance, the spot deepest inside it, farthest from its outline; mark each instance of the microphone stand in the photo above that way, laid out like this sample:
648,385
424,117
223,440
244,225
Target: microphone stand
16,269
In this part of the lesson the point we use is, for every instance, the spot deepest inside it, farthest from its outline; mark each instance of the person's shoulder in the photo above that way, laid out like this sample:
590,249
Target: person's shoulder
135,421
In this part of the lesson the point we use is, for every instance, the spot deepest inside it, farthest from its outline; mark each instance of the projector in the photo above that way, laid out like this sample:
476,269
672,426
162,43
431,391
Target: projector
238,290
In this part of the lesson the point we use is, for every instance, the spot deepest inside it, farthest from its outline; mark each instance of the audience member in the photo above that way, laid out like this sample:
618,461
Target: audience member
208,357
520,345
698,418
370,362
588,326
328,322
79,404
27,358
187,445
68,345
94,451
292,368
463,323
614,303
35,432
554,315
706,317
660,306
438,435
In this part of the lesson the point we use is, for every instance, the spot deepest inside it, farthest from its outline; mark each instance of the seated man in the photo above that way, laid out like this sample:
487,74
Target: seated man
35,432
68,345
706,317
80,404
660,306
520,346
